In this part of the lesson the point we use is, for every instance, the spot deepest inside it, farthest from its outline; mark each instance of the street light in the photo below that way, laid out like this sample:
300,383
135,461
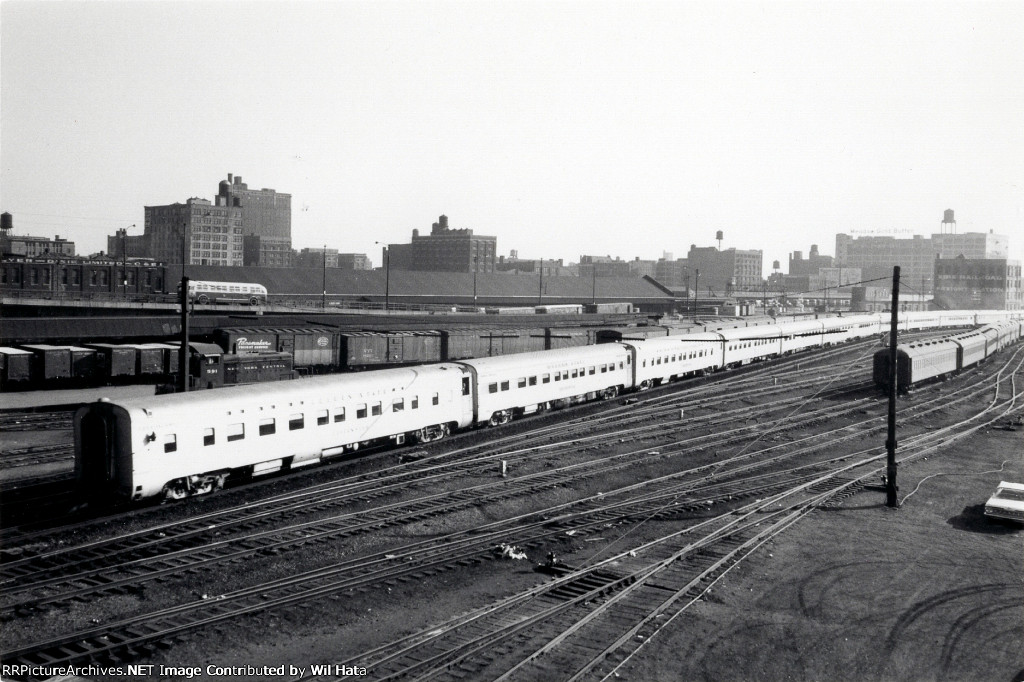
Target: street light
323,300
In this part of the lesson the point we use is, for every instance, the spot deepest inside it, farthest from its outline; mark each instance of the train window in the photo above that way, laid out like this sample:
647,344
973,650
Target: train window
437,398
629,361
645,364
398,404
504,385
593,370
296,422
339,414
375,409
558,376
521,382
321,418
575,374
620,365
170,442
268,427
235,431
565,374
545,378
361,411
604,369
208,437
414,404
492,388
533,381
465,388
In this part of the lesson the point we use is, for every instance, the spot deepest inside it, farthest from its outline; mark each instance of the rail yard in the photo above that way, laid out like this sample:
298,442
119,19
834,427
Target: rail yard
734,516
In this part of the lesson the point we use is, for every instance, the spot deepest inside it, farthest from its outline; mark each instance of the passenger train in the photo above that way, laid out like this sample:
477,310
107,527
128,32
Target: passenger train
174,446
939,358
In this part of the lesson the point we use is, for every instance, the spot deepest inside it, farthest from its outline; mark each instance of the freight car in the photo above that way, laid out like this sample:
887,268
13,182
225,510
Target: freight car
180,445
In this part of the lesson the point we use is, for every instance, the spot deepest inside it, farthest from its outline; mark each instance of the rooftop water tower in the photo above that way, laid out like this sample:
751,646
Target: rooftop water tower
948,223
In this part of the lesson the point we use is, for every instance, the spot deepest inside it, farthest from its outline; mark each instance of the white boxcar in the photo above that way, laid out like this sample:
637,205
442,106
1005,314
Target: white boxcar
660,360
529,382
188,443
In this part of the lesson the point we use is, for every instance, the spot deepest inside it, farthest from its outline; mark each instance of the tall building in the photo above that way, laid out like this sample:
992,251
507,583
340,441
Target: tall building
121,245
354,261
444,250
798,265
208,234
266,214
315,257
673,273
725,272
978,284
876,256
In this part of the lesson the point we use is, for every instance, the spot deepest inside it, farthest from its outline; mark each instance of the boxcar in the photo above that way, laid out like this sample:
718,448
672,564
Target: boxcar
85,363
116,360
15,366
50,362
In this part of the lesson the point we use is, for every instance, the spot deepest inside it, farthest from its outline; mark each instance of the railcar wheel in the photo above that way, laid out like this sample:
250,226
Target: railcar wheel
203,299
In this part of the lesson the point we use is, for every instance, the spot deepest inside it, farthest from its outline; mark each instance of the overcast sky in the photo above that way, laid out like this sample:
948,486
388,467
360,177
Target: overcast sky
562,128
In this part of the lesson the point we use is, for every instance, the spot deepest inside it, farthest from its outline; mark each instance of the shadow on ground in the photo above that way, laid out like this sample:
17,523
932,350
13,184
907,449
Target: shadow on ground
973,519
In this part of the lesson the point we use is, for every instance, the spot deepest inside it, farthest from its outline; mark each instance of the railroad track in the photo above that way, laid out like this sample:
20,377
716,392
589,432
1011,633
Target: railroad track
422,559
590,620
148,553
35,421
35,455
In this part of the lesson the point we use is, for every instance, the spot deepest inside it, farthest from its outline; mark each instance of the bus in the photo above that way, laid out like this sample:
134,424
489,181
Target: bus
226,292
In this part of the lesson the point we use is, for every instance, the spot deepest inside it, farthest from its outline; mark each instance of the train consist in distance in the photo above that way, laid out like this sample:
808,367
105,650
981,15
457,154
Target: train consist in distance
174,446
939,358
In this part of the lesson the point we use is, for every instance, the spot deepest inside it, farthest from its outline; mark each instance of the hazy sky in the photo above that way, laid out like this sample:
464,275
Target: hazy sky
622,128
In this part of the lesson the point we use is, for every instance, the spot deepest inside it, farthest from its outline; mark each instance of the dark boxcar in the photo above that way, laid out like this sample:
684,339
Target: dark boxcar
363,349
15,365
407,347
568,337
169,356
310,347
115,360
85,363
148,361
51,362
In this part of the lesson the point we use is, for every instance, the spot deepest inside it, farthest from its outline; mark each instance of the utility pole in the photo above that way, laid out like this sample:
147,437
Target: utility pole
696,292
183,298
890,442
323,299
540,287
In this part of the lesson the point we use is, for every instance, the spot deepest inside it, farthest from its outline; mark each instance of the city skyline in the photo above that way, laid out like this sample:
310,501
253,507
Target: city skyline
562,129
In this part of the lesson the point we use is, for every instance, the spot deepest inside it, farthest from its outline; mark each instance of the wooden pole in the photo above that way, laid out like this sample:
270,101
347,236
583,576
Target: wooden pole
890,442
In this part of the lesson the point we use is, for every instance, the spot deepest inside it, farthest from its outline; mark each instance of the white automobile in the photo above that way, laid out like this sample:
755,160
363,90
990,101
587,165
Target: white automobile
1007,502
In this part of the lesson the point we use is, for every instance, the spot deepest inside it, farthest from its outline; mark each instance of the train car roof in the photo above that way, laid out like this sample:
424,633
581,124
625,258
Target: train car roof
298,391
582,353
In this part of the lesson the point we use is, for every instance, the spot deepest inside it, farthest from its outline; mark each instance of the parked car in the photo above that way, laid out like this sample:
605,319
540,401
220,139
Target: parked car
1007,503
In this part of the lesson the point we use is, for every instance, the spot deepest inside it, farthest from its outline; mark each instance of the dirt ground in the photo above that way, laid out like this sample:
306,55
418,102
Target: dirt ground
929,591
